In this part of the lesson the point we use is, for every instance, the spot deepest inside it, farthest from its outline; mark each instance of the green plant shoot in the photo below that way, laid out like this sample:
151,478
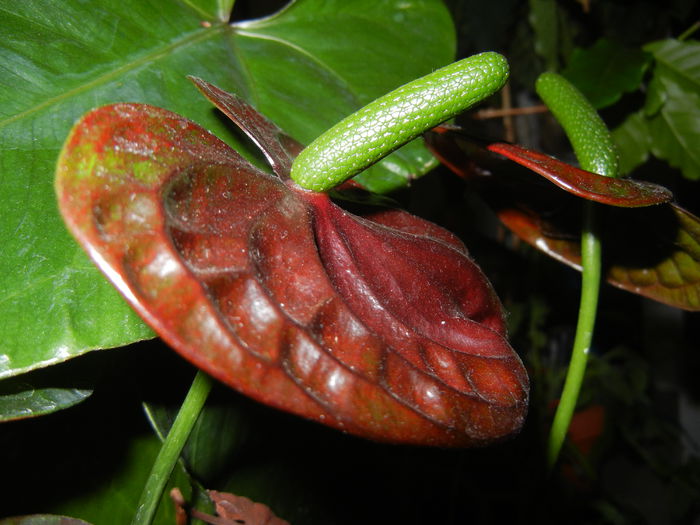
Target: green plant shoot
595,151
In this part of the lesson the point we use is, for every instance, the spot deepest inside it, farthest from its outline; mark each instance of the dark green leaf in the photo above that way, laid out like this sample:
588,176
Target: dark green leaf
675,127
545,23
48,390
20,399
632,141
606,70
306,68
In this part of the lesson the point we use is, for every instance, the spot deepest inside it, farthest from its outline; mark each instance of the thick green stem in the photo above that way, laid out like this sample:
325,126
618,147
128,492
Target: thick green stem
171,449
588,306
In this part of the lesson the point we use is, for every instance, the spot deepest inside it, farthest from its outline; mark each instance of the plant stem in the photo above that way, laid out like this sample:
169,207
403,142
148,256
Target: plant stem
595,151
590,286
484,114
689,32
171,449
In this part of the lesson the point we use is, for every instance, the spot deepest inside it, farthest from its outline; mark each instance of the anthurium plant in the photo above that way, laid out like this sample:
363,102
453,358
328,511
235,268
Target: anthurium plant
266,253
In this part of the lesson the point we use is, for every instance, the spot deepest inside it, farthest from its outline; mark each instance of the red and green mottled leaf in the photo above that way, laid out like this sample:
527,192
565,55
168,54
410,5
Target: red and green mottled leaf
379,325
652,247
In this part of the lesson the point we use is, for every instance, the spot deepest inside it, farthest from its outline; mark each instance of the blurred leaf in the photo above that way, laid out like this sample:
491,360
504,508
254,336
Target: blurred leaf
218,434
281,483
545,23
678,61
115,501
632,141
673,105
42,519
656,97
306,67
675,127
606,70
659,256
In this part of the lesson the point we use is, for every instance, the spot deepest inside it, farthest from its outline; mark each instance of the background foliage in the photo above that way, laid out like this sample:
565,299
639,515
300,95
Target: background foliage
304,69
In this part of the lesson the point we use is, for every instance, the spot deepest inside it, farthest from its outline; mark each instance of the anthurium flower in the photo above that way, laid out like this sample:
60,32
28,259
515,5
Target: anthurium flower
377,324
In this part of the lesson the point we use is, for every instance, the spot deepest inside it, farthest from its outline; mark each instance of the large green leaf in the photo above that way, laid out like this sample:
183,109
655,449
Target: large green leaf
305,68
606,70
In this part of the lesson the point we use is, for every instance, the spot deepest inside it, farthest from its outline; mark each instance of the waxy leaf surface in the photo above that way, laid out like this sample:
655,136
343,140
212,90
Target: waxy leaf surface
612,191
379,325
651,246
307,66
20,399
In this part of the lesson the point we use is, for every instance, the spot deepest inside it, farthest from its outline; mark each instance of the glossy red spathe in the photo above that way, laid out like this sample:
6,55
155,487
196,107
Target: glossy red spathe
379,325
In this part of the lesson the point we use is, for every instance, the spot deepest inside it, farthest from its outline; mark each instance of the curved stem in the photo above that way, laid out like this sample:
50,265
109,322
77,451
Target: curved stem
595,151
588,306
171,449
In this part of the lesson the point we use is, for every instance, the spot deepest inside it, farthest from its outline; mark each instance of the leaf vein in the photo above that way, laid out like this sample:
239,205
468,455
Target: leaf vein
106,77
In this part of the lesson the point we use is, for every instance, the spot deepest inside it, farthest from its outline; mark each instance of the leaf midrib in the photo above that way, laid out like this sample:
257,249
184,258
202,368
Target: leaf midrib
189,39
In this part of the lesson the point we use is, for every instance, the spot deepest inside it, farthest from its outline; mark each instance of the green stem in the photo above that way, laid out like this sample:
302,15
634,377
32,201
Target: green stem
595,150
171,449
588,306
689,32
